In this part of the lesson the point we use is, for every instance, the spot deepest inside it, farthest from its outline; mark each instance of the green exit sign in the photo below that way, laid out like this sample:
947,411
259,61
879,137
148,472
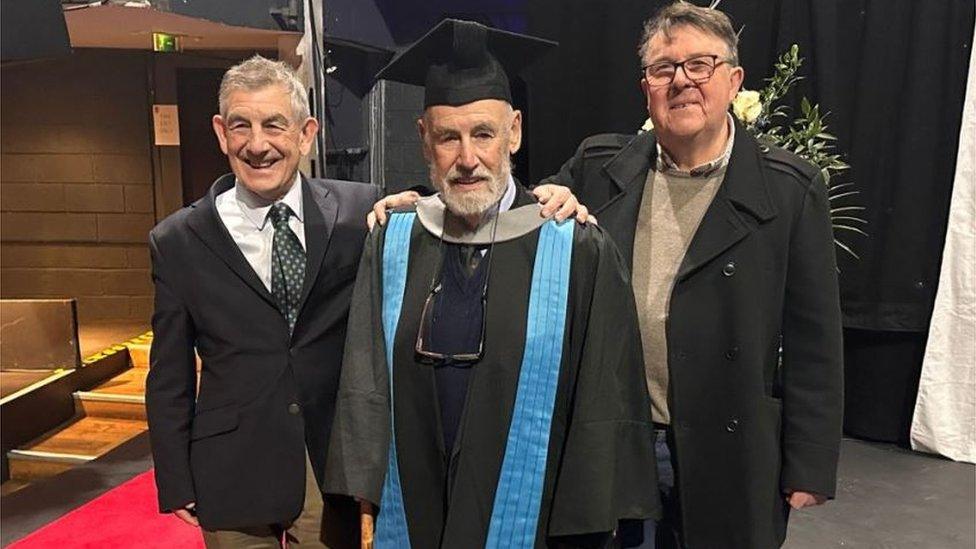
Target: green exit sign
165,42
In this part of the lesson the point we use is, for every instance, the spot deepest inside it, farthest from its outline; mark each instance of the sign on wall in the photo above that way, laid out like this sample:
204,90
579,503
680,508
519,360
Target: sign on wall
166,125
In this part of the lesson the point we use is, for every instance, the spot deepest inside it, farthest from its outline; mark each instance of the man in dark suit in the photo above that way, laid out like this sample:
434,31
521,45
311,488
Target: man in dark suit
734,273
256,278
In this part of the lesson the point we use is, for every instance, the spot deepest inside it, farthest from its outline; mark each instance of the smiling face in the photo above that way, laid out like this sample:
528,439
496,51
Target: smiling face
263,140
468,149
686,112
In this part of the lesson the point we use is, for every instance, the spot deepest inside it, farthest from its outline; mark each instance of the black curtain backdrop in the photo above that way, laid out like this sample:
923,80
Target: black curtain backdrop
892,73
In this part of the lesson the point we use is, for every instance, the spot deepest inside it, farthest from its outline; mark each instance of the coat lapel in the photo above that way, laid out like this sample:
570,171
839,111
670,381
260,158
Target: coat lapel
628,172
741,203
321,210
205,222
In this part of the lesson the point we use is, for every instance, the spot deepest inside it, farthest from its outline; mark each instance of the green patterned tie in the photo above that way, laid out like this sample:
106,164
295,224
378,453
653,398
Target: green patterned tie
287,264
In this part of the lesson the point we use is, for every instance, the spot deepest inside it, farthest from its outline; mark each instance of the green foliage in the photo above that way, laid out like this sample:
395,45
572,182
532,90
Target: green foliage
807,137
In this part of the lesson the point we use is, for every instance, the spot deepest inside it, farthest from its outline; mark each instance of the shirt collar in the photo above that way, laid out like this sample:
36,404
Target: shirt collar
509,197
504,203
666,165
255,208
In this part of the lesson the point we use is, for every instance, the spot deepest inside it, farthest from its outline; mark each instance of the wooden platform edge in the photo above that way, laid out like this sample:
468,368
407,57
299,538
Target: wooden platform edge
34,413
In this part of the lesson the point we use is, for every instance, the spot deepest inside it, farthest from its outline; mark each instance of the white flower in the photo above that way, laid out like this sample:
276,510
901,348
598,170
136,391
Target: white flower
746,106
648,126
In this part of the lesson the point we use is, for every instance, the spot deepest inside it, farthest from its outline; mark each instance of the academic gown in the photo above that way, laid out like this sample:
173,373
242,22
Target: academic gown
600,463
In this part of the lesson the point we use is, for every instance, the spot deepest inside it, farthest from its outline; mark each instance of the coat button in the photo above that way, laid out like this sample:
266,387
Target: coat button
294,409
732,425
732,353
729,268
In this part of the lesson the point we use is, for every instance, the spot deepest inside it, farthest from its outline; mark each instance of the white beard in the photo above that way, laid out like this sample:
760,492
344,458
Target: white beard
471,203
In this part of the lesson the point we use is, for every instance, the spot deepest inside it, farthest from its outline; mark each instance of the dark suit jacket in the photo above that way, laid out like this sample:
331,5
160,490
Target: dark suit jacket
238,446
760,270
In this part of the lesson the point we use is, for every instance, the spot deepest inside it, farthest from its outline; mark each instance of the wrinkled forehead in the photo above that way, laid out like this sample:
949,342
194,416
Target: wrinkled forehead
684,39
492,112
274,98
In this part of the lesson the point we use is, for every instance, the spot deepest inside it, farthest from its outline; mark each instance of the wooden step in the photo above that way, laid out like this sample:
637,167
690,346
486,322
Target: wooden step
80,442
121,397
130,382
29,466
111,406
139,353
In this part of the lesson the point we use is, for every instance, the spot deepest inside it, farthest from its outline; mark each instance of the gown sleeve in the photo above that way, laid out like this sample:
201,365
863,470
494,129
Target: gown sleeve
608,470
359,442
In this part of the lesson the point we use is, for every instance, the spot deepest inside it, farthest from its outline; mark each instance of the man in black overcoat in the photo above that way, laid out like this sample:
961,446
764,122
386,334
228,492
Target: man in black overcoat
734,273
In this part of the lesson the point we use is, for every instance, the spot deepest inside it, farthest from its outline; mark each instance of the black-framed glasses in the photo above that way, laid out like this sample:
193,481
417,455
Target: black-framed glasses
698,69
429,356
422,348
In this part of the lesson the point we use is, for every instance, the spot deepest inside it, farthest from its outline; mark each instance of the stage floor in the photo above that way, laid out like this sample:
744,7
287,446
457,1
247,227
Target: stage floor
888,498
891,498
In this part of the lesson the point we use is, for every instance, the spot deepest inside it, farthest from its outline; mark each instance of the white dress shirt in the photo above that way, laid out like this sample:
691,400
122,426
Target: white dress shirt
509,197
245,215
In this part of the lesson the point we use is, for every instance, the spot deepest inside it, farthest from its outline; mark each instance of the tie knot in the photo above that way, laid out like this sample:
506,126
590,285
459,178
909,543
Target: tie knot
279,214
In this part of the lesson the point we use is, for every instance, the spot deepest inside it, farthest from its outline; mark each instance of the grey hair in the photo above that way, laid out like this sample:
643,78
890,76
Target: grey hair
708,20
259,72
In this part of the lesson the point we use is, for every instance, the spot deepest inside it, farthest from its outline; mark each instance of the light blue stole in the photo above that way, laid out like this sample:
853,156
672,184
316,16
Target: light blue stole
518,495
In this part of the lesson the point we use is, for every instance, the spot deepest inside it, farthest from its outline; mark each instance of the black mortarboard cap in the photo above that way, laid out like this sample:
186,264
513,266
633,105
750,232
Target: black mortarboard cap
458,62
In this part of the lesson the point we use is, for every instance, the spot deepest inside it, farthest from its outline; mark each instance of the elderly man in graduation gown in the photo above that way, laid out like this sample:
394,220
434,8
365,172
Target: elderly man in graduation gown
492,388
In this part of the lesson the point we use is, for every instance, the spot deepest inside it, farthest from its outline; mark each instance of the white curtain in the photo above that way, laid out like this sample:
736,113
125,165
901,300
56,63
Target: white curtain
945,412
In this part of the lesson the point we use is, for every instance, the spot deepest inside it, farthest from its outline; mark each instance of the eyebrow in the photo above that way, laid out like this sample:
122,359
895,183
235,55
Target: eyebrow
438,131
276,119
482,127
673,60
441,132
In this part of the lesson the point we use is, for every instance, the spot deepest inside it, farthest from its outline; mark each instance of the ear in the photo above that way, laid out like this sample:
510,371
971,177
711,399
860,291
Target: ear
220,130
736,76
422,132
647,94
309,128
515,133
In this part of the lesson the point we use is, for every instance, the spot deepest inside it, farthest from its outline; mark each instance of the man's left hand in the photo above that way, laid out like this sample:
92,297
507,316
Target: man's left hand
560,202
798,499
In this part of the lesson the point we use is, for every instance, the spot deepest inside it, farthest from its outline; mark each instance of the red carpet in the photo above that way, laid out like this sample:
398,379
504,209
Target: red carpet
123,517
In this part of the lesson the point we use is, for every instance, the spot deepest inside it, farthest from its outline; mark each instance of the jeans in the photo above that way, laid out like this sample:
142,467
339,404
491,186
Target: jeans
663,534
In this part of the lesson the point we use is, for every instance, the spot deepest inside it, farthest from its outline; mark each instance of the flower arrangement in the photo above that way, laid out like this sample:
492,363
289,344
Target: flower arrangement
805,136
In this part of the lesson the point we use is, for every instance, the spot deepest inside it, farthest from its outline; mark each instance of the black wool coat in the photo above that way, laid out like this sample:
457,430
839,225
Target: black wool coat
759,271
